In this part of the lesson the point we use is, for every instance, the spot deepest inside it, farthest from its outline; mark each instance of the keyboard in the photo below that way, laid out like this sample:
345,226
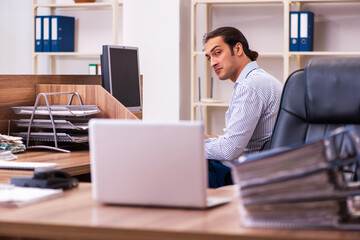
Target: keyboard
26,165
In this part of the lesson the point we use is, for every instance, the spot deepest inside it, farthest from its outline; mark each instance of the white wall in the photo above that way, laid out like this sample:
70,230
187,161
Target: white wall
157,29
15,37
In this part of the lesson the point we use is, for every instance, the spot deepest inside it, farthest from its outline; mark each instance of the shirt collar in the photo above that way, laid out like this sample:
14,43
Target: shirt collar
247,69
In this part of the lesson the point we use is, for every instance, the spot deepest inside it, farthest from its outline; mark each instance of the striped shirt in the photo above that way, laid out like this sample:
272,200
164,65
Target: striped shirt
250,118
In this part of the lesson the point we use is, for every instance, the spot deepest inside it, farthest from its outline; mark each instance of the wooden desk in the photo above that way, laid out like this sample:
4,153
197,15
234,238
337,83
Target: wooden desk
22,90
76,162
77,216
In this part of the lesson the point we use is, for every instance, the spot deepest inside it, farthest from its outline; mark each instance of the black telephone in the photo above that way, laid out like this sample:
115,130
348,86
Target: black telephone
47,178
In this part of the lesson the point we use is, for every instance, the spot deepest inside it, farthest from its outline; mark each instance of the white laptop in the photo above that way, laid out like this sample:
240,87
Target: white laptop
136,162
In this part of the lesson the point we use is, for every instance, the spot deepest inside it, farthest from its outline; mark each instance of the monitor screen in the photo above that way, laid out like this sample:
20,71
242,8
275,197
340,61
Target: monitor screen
120,75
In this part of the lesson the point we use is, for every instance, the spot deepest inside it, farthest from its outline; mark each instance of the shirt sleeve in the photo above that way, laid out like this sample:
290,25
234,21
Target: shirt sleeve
244,114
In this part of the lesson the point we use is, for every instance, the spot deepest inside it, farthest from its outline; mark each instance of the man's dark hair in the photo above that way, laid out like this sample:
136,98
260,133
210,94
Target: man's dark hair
231,36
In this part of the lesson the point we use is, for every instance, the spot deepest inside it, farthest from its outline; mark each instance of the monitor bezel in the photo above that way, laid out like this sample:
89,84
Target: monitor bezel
108,47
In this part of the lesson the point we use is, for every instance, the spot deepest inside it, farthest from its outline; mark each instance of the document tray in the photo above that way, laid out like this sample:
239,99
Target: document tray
59,110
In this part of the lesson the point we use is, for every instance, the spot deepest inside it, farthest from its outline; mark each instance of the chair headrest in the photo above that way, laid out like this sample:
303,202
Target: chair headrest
332,89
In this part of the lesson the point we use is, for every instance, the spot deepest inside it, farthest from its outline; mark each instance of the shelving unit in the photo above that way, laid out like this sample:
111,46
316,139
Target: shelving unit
290,60
283,54
52,5
297,57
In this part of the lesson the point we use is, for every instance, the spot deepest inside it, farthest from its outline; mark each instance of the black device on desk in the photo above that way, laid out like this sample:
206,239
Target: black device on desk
47,178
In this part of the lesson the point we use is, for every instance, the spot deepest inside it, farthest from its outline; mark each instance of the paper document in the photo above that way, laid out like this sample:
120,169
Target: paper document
12,196
26,165
7,156
49,137
59,110
59,123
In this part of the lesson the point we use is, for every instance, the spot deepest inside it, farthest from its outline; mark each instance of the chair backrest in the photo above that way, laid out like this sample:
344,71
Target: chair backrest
317,99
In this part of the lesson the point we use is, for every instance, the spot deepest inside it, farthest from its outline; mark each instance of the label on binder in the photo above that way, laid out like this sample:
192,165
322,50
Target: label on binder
38,33
306,31
294,31
46,34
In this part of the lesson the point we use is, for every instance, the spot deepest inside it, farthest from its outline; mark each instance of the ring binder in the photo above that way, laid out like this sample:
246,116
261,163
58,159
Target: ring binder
301,186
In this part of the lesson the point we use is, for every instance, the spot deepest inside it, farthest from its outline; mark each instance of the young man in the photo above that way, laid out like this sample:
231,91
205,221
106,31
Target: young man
253,108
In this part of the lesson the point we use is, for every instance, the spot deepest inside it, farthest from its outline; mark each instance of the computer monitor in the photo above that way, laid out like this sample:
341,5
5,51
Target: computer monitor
120,75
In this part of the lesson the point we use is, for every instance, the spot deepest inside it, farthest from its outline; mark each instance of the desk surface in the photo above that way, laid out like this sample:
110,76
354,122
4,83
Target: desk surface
76,162
77,216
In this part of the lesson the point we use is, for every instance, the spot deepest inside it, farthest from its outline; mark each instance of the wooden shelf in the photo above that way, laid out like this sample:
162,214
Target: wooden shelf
75,5
324,53
66,54
323,1
238,1
113,6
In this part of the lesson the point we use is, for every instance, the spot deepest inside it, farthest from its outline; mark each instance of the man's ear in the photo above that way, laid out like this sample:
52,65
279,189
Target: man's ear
238,49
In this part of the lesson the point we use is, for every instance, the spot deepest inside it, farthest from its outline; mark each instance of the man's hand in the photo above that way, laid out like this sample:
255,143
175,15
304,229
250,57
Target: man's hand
210,136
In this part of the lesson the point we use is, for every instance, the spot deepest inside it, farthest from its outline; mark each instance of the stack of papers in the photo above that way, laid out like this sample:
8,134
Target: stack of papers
59,110
302,186
12,196
309,214
74,124
10,143
7,156
60,137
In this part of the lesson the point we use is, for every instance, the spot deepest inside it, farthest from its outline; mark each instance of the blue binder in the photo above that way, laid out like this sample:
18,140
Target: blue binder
46,27
294,31
306,33
62,33
38,34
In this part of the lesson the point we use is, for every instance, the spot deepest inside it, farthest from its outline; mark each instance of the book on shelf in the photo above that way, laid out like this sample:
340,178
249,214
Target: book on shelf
301,186
301,31
94,69
54,33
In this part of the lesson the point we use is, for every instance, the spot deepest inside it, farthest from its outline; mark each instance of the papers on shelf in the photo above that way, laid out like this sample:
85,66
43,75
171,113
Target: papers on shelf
59,110
49,137
59,123
12,196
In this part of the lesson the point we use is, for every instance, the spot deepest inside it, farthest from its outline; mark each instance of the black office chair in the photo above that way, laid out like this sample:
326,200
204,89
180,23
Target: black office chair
318,99
321,97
